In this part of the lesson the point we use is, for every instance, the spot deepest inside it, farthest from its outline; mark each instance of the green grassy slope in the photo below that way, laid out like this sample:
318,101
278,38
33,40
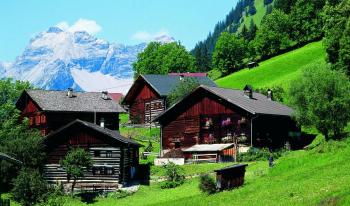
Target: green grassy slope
279,70
319,176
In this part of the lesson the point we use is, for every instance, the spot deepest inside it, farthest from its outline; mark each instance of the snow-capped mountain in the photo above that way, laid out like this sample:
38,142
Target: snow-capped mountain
57,59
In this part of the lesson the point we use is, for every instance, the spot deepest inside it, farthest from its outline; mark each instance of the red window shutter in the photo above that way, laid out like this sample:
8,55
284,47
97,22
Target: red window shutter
43,119
37,120
31,121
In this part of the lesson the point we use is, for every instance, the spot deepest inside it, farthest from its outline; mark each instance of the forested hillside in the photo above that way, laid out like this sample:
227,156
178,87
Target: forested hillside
242,12
263,29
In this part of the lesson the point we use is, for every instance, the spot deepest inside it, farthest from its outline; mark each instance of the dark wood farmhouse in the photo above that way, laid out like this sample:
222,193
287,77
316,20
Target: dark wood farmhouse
146,98
50,110
217,116
115,158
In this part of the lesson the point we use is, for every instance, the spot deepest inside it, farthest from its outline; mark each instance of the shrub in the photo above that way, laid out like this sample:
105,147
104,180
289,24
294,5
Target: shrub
29,187
207,184
174,174
255,154
120,194
169,184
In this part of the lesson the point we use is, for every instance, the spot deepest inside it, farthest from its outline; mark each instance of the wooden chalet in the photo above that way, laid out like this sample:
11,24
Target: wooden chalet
115,158
50,110
146,98
217,116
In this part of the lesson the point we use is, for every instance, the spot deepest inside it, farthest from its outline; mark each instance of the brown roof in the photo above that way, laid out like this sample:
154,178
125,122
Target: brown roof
58,101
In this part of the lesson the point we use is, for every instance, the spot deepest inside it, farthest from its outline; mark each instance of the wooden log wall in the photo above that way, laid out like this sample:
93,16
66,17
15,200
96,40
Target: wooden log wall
137,107
185,123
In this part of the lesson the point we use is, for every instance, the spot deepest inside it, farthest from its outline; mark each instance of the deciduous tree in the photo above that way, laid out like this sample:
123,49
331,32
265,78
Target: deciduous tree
321,99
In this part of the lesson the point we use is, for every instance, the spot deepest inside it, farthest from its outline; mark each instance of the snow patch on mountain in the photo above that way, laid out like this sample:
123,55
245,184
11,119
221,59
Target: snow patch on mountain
96,81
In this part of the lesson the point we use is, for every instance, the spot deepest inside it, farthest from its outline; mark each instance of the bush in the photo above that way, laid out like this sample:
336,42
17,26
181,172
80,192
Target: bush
169,184
29,187
255,154
207,184
120,194
174,174
55,196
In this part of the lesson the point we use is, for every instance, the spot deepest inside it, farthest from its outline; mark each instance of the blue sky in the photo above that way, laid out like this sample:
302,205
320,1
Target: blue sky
127,22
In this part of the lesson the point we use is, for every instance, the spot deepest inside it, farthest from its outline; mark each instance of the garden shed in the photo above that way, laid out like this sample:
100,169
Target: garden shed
230,177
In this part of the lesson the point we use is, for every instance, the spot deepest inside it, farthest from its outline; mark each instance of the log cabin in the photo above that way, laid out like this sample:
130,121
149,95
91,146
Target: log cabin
50,110
210,120
115,158
146,98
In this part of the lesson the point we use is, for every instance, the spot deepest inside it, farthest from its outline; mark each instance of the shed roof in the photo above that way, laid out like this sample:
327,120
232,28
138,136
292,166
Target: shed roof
208,147
58,101
9,159
231,167
109,133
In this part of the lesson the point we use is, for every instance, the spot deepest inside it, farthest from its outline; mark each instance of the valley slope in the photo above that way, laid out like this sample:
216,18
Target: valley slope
279,70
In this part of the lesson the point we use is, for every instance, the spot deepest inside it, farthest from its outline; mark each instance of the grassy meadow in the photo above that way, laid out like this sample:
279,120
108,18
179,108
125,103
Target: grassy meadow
280,70
317,176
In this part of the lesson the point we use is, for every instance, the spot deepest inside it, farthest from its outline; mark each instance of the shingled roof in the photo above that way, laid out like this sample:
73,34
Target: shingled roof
57,101
110,133
164,84
258,104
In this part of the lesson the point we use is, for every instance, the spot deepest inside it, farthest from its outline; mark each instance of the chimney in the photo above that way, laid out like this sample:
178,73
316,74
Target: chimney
182,77
248,91
105,95
102,122
269,94
70,92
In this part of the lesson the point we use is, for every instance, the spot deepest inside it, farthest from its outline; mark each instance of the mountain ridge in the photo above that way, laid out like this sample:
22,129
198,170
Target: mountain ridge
58,59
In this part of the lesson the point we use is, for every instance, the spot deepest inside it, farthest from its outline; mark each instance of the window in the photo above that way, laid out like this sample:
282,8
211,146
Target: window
97,153
109,171
109,154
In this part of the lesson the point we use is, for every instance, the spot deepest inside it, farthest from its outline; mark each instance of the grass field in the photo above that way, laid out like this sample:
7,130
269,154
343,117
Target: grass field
279,70
319,176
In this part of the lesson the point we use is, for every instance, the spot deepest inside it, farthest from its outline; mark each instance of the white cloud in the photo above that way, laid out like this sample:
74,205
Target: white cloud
147,36
87,25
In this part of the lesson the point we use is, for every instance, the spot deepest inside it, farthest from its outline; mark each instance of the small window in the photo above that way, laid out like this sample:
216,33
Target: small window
109,154
109,171
177,145
97,153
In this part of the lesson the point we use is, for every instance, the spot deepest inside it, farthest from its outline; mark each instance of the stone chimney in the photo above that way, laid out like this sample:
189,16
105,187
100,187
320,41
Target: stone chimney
248,91
105,95
102,122
70,92
269,94
182,77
